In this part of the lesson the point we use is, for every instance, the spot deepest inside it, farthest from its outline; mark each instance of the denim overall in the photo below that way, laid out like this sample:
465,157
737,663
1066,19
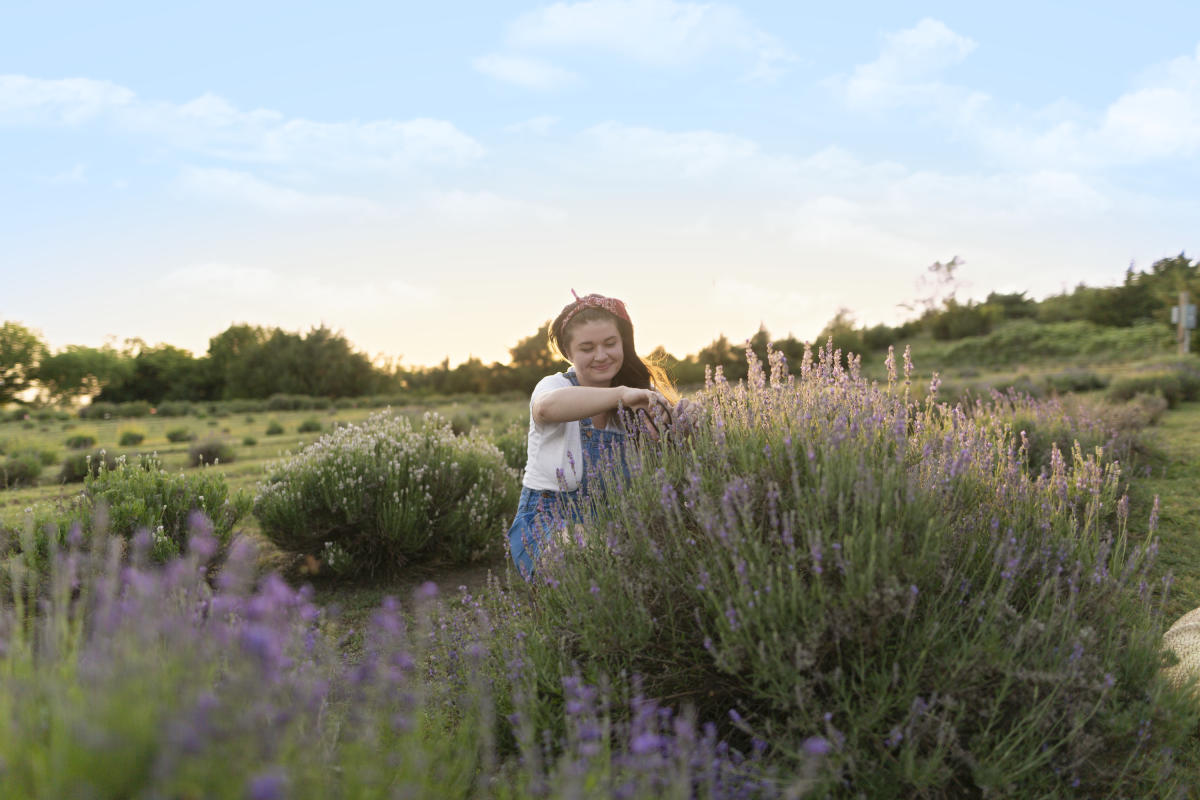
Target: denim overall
541,513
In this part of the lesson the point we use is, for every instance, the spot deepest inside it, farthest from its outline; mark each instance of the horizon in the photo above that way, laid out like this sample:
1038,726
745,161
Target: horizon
432,182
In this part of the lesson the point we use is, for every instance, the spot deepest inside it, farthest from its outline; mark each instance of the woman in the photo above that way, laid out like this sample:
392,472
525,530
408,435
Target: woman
575,432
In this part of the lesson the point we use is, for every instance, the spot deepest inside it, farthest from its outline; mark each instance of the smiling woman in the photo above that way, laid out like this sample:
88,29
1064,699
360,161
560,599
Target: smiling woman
573,431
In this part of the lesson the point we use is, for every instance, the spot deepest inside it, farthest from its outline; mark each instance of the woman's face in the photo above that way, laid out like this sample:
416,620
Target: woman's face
595,350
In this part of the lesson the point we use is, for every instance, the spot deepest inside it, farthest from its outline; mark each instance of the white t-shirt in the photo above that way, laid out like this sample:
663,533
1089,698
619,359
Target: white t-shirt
554,446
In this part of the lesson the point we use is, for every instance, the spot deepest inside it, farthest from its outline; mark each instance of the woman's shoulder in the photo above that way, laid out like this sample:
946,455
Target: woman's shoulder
550,382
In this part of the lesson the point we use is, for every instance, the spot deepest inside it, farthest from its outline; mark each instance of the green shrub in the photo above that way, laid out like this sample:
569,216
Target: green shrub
210,451
371,498
877,580
21,468
274,428
143,495
1028,342
310,425
1074,380
174,408
81,441
180,435
1169,385
130,438
513,442
77,465
249,441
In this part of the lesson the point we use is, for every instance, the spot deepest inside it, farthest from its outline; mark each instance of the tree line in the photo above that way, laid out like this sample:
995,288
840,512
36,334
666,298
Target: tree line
249,361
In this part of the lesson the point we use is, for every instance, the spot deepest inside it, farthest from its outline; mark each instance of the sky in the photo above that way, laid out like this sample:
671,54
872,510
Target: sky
433,179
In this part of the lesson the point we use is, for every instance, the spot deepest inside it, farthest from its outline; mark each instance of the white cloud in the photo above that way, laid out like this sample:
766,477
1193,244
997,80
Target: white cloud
211,125
242,188
538,126
68,101
261,287
661,32
484,207
690,153
531,73
908,67
1158,119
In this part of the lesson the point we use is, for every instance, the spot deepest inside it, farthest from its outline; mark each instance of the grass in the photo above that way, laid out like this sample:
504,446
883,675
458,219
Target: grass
252,461
1174,475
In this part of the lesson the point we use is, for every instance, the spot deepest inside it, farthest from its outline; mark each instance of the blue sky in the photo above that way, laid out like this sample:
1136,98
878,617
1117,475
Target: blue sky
433,179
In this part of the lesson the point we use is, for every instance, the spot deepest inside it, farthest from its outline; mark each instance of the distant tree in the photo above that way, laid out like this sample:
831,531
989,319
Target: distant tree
534,351
78,371
842,330
21,350
160,372
1014,305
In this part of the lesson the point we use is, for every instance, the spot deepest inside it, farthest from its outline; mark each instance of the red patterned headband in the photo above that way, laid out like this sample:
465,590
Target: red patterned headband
610,304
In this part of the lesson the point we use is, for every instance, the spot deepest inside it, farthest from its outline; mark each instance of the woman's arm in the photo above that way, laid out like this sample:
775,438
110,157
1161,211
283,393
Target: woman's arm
572,403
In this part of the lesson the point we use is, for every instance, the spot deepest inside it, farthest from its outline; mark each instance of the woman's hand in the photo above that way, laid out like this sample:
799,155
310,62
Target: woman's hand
644,399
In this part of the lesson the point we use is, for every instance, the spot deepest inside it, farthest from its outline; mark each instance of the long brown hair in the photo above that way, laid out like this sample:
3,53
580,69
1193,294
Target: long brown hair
635,371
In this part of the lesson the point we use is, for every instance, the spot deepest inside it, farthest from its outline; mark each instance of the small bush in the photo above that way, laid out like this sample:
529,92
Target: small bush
513,442
81,441
142,494
174,408
180,435
371,498
131,438
76,467
212,423
22,468
310,425
274,428
249,441
1170,385
210,451
1074,380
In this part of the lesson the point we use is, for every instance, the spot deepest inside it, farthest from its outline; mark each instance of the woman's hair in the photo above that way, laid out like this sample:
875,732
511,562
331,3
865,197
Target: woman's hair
635,371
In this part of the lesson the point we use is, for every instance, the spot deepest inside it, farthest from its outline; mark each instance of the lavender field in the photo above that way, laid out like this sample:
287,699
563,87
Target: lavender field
822,586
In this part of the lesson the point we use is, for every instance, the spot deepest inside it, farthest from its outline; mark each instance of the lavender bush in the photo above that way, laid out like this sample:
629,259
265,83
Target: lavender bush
829,567
370,498
143,681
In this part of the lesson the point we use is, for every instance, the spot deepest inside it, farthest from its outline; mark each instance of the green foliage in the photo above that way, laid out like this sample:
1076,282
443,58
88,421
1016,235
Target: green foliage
513,442
142,495
81,441
960,320
21,468
1027,342
274,428
21,350
1074,380
310,425
371,498
132,437
1174,380
210,451
177,435
82,371
249,441
78,466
